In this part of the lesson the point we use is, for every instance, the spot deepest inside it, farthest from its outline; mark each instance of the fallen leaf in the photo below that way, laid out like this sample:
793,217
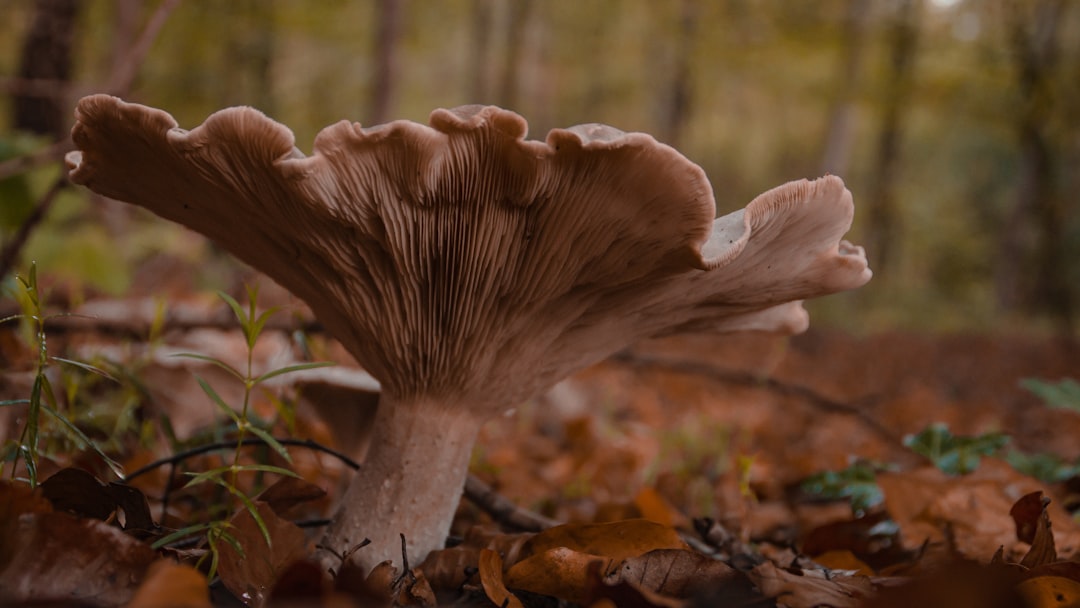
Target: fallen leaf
961,583
559,572
614,540
58,555
655,507
491,579
1042,537
1026,514
79,493
251,576
172,585
451,568
410,589
672,572
1050,592
844,560
622,594
974,508
806,591
289,492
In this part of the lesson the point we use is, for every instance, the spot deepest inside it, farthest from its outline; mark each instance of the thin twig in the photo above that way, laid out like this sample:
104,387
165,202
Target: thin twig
250,441
50,154
502,509
123,76
809,395
10,254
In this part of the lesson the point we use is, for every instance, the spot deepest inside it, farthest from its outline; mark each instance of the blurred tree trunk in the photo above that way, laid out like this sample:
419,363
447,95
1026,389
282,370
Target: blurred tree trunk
250,55
841,126
387,39
482,24
520,12
883,216
1032,267
125,29
676,101
46,54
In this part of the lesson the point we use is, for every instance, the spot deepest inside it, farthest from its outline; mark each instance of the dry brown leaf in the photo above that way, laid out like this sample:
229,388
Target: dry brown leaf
251,576
1042,537
615,540
288,492
491,578
655,507
1026,514
623,594
410,589
809,590
172,585
974,507
842,559
558,572
57,555
78,492
1050,592
450,568
672,572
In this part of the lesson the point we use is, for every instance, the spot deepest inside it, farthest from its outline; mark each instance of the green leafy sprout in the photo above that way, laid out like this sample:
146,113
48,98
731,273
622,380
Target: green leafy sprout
251,323
42,398
955,454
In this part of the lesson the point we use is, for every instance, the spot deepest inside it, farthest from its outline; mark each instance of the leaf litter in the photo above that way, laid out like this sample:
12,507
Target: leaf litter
679,483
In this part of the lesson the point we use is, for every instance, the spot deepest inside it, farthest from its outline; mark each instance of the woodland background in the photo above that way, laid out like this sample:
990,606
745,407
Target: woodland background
956,123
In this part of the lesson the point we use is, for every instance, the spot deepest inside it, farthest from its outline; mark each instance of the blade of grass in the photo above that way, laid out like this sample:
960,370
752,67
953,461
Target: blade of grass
214,360
292,368
74,430
216,398
87,367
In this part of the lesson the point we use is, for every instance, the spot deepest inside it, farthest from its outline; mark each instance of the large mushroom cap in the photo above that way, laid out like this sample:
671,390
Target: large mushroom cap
461,260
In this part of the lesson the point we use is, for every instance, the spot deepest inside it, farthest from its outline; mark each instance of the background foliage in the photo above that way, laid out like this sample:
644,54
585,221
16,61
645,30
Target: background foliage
954,122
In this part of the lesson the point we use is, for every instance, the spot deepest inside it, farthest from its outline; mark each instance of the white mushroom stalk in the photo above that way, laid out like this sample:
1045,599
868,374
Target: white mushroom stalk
468,268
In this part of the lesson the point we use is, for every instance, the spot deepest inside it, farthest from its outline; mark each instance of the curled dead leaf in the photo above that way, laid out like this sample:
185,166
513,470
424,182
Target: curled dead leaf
805,591
172,585
617,540
57,555
672,572
1050,592
491,578
559,572
251,576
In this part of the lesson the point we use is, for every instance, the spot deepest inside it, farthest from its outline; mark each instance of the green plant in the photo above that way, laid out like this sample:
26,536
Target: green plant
226,477
857,482
1063,394
42,396
954,454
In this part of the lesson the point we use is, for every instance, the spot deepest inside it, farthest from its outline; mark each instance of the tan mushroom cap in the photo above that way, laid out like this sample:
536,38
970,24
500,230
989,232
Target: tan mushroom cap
460,261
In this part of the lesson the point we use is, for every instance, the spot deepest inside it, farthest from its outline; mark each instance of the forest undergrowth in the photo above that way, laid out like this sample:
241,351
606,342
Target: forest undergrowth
748,470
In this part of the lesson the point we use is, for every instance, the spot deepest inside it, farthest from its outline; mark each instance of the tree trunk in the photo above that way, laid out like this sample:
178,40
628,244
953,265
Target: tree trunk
841,126
520,11
46,55
1032,266
676,103
387,37
883,216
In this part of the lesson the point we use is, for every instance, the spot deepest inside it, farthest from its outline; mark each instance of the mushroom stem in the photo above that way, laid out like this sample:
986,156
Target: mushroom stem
410,483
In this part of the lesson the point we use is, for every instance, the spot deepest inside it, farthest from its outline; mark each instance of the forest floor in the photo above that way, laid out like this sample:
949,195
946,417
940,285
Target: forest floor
691,471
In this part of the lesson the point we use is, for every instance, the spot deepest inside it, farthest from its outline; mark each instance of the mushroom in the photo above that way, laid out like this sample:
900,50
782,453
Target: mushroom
468,268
